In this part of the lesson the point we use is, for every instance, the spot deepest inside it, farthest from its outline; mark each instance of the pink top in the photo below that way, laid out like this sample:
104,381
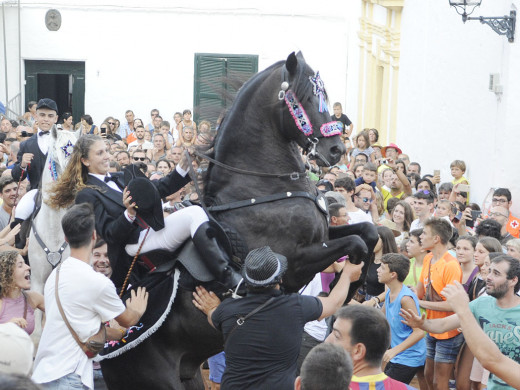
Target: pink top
14,308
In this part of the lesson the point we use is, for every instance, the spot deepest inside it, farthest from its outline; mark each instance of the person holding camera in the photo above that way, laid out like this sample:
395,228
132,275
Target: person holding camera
77,301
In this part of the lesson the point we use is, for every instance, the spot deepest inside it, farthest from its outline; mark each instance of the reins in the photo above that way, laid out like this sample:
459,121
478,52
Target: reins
121,293
252,201
292,175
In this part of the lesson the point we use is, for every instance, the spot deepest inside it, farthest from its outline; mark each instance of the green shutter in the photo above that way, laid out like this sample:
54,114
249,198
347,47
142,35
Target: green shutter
209,78
217,79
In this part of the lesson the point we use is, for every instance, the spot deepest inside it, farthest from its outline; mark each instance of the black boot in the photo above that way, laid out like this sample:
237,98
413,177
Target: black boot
215,256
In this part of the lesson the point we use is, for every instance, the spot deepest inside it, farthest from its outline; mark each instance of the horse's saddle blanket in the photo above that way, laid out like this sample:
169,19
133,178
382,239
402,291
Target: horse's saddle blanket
162,287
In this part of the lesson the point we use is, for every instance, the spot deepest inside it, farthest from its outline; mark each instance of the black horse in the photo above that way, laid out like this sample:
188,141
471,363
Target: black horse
256,184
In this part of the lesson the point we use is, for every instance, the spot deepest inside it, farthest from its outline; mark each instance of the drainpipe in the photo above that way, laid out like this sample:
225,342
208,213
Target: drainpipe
21,107
5,59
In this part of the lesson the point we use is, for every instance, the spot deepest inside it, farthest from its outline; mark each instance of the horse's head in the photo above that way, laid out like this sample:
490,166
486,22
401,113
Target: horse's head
60,148
306,118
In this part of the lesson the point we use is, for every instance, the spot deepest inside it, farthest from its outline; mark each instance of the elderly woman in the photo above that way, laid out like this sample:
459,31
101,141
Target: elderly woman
16,305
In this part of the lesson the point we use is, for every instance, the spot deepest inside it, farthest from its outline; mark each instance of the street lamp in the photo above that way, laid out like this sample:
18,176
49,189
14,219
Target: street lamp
504,25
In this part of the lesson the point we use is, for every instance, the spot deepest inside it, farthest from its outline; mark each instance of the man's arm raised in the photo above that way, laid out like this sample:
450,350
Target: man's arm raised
483,348
351,273
437,326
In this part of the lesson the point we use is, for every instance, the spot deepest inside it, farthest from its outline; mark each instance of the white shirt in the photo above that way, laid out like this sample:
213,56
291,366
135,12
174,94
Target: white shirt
358,217
87,298
43,141
110,183
317,329
416,224
114,186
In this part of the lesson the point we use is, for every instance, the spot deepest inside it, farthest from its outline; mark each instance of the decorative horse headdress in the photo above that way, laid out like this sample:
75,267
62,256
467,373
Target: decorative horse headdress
298,113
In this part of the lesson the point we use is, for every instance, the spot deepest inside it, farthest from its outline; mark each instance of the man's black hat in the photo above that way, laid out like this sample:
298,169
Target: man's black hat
263,267
47,103
148,201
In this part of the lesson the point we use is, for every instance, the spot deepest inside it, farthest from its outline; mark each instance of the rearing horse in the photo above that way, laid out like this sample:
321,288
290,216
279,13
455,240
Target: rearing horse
256,184
261,134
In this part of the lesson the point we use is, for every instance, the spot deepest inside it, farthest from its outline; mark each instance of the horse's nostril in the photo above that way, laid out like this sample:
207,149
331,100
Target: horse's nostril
335,151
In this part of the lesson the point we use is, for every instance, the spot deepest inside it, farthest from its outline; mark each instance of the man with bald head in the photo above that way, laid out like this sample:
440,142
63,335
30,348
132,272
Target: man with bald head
501,215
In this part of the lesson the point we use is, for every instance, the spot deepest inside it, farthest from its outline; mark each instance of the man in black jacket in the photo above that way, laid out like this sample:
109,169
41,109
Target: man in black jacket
33,152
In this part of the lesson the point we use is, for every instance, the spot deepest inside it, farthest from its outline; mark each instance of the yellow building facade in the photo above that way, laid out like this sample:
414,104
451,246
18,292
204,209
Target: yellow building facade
379,45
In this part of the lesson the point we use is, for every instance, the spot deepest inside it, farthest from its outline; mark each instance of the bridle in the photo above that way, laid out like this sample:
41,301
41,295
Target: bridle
304,124
302,121
53,257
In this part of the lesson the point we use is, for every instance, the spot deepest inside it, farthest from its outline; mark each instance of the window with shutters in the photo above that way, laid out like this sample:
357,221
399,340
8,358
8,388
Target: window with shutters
217,80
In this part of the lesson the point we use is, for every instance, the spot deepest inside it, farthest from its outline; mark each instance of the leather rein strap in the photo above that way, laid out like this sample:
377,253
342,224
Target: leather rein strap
265,199
292,175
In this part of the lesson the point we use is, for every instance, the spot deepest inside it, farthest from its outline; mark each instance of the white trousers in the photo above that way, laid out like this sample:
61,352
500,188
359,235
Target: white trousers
25,206
178,227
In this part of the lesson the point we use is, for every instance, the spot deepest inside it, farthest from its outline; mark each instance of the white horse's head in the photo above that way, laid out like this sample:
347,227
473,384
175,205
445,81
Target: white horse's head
61,144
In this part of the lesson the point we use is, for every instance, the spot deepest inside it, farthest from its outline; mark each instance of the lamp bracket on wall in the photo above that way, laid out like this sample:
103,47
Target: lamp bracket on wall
502,25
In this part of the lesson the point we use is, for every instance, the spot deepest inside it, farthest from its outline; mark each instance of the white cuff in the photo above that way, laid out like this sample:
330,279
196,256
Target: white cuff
181,171
130,218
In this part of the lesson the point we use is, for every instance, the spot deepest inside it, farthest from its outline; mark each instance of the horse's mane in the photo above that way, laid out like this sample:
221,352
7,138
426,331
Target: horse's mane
299,84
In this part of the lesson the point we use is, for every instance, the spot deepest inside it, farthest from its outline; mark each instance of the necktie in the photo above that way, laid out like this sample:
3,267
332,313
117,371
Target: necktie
43,133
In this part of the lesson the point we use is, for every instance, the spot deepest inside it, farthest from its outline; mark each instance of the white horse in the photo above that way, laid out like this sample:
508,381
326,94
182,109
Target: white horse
46,241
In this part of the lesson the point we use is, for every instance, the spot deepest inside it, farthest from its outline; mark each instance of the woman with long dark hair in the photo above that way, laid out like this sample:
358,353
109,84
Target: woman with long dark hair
372,289
121,224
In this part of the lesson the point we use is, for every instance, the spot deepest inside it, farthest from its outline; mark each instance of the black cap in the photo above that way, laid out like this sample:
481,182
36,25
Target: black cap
47,103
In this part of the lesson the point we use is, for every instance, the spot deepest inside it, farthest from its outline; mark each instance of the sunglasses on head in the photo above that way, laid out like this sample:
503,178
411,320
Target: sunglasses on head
139,158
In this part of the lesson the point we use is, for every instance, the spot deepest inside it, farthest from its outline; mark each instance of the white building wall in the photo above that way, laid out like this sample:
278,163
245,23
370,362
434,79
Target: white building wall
446,111
141,55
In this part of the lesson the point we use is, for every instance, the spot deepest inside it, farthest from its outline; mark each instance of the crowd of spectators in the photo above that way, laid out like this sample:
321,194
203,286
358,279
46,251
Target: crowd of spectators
432,232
